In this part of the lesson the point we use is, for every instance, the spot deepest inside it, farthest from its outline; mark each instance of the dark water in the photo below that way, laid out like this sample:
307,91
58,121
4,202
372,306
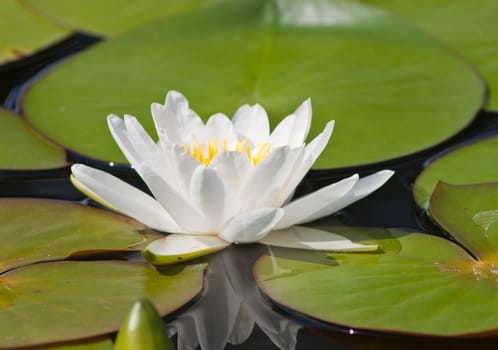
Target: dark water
230,273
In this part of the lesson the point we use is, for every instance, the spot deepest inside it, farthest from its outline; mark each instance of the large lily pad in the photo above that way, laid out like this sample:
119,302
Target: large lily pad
104,344
112,16
22,149
472,163
429,286
464,26
35,230
382,80
22,32
58,301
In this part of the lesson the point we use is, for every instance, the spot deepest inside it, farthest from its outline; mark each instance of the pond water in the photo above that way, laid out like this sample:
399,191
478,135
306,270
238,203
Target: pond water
232,308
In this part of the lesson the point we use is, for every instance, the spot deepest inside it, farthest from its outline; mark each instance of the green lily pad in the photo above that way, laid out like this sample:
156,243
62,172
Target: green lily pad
382,80
470,213
472,163
104,344
22,149
430,286
112,16
35,230
22,32
461,24
60,301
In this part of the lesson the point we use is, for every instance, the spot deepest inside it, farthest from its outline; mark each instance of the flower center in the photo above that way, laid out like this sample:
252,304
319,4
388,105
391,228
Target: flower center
205,154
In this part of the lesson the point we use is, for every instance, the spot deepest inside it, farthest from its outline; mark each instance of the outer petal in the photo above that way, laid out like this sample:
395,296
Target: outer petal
136,144
297,171
317,145
327,201
118,130
299,210
363,188
178,247
311,153
185,213
142,142
293,130
301,237
175,120
252,122
118,195
251,226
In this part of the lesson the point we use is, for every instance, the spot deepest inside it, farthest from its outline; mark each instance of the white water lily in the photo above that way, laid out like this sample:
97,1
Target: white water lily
222,181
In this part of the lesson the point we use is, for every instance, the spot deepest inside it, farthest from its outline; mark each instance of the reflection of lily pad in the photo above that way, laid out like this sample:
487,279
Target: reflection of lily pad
466,27
37,230
111,16
59,301
22,32
347,57
22,149
469,164
430,286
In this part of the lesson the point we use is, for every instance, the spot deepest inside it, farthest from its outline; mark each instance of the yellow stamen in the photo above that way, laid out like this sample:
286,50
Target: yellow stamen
239,147
212,149
261,152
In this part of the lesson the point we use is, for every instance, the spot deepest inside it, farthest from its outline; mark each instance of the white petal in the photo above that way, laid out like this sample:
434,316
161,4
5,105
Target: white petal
178,247
269,174
180,208
368,184
177,167
118,130
361,189
251,226
175,120
318,144
142,142
312,151
211,198
301,237
120,196
302,208
251,122
220,128
294,129
298,169
232,167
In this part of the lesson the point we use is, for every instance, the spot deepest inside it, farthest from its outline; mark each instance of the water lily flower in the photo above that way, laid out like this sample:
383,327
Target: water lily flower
222,181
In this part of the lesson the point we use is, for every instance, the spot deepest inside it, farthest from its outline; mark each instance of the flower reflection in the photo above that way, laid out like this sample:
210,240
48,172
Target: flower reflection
231,307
